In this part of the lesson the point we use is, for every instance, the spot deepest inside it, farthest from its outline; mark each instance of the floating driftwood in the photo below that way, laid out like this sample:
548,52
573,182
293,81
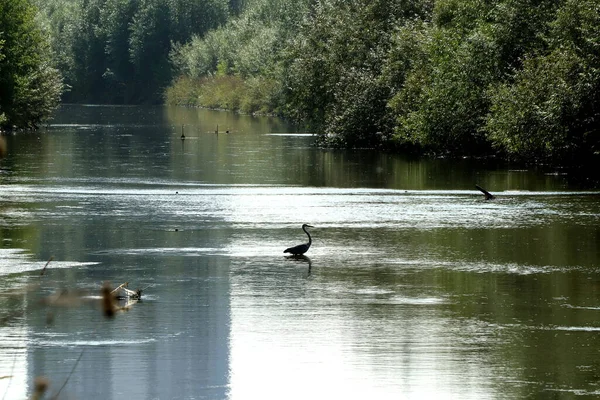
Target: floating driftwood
110,306
123,293
131,294
121,286
488,195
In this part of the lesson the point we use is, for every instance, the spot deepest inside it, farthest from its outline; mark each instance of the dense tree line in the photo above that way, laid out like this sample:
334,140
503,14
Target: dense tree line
519,78
30,87
117,51
470,77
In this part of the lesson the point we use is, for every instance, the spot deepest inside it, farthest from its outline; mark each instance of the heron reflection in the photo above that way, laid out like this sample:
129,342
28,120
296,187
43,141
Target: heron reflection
303,259
301,248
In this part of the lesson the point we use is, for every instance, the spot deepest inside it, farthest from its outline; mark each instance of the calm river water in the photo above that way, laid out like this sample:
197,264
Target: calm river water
415,286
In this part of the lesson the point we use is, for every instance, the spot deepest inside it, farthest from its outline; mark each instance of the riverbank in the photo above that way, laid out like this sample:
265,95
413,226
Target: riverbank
256,97
225,92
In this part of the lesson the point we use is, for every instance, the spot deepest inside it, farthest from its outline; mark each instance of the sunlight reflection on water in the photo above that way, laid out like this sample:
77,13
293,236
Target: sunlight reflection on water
348,319
331,207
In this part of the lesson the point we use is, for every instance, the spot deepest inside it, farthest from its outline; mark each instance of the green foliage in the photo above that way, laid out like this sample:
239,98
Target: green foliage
470,48
551,108
456,77
183,92
115,18
528,117
577,25
250,49
261,96
117,50
337,75
443,104
236,6
86,65
249,45
148,46
254,95
30,87
194,17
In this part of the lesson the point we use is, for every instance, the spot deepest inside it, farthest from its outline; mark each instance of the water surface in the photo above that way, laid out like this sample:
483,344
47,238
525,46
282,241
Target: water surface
415,286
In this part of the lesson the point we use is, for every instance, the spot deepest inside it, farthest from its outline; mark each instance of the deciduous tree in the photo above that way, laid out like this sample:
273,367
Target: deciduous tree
30,87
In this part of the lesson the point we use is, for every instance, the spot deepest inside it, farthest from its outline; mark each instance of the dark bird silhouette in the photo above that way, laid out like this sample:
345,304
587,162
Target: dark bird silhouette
301,248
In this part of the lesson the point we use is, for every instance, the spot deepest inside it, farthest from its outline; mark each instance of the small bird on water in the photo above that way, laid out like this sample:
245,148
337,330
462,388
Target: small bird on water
301,248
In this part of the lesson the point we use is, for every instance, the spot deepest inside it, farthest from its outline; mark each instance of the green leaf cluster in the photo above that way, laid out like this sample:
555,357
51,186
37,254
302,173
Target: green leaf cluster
30,87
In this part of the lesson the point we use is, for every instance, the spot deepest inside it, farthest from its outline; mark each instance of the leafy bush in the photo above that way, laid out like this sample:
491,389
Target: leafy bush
337,67
550,109
30,87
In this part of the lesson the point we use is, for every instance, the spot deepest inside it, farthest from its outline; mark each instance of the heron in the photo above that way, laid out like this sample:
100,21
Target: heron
301,248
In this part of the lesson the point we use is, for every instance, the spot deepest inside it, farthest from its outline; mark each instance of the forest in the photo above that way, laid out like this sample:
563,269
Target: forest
514,79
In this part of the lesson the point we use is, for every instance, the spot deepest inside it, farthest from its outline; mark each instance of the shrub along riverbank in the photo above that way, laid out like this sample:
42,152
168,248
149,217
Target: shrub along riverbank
514,78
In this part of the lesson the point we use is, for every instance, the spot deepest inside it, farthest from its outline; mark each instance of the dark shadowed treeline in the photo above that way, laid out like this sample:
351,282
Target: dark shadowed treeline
116,51
519,78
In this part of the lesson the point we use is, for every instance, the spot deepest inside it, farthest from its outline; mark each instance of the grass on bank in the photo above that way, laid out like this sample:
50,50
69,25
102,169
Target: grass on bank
256,95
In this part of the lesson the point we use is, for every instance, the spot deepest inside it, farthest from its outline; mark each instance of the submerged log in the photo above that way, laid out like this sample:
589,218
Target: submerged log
488,195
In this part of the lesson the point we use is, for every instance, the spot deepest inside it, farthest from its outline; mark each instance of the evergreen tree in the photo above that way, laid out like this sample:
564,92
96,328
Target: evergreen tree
117,51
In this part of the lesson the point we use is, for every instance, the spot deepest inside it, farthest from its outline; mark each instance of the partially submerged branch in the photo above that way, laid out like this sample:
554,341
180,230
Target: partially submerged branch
488,195
48,262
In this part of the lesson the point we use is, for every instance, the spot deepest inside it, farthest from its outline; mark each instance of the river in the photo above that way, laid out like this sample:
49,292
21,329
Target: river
415,286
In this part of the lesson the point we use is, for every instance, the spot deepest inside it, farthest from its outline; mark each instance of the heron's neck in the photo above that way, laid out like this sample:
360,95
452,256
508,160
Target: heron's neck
308,234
